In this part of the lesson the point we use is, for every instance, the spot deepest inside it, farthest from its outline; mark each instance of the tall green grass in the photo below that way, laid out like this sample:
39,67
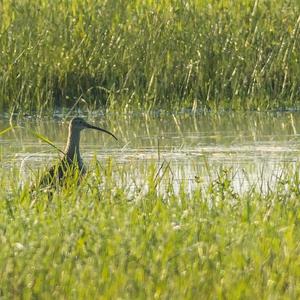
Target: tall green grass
96,241
128,55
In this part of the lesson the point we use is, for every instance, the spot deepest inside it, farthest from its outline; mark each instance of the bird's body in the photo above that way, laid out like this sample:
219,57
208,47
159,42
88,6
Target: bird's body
71,162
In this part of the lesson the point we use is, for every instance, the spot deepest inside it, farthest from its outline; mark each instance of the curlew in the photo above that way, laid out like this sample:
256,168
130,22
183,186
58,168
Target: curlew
71,163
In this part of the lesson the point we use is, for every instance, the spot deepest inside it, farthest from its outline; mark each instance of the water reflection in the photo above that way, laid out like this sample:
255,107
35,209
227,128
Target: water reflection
255,145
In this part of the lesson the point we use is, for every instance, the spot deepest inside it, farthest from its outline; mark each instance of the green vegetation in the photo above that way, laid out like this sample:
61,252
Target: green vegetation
125,233
129,55
96,240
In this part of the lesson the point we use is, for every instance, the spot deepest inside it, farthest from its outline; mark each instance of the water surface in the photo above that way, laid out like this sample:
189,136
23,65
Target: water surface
255,146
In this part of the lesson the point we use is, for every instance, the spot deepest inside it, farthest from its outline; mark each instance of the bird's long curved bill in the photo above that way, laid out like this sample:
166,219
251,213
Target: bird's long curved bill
101,129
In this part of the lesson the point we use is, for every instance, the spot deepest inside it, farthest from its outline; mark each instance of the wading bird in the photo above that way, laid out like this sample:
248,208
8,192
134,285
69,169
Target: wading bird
71,162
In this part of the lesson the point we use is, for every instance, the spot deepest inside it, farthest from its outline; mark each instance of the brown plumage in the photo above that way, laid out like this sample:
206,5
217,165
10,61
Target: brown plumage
71,163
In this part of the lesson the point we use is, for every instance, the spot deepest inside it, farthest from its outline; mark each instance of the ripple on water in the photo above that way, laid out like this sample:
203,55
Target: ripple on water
255,146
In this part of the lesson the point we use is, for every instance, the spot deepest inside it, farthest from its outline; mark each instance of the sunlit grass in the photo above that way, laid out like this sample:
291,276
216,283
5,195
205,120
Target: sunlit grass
131,55
99,239
131,234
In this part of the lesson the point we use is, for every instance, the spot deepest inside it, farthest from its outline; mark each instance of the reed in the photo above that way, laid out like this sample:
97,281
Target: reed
137,55
105,239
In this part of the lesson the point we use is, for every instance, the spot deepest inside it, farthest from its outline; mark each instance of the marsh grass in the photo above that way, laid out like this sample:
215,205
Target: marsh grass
95,240
131,55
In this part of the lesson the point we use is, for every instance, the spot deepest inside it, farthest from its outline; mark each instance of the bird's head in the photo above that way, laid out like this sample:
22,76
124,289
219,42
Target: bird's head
78,124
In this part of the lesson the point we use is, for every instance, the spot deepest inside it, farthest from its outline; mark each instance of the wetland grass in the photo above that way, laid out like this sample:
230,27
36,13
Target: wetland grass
128,234
137,55
97,239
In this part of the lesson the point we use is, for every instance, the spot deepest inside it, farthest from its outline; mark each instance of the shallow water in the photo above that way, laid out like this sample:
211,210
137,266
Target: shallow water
255,145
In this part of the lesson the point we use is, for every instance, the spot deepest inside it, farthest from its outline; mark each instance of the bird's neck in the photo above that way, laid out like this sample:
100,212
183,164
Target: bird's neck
72,148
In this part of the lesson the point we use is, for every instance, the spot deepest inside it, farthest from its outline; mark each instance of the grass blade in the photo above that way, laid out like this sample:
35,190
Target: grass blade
46,140
6,130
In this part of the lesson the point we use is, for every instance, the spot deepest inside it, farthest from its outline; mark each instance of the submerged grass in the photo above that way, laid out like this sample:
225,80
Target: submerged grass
128,55
102,239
